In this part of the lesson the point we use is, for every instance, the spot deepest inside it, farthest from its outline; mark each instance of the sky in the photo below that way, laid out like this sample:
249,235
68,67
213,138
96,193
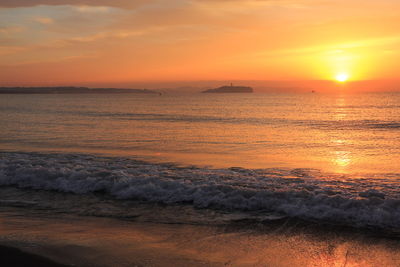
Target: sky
106,42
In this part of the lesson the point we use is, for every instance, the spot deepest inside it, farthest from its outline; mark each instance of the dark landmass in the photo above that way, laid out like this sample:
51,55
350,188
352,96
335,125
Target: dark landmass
71,90
230,89
13,257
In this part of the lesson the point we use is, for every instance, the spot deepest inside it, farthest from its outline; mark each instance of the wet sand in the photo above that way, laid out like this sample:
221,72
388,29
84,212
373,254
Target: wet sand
11,257
92,241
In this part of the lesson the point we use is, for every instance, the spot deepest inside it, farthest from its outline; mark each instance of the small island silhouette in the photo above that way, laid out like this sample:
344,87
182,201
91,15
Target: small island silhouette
71,90
230,89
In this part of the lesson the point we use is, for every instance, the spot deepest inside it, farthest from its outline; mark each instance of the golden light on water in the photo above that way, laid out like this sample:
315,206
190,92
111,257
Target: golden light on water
342,159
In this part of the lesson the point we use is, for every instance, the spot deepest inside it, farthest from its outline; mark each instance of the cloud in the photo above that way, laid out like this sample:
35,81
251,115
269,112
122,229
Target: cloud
117,34
44,20
10,30
112,3
136,3
6,50
91,9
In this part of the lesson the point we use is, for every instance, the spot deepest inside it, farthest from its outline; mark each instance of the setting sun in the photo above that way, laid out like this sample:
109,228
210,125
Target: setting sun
342,77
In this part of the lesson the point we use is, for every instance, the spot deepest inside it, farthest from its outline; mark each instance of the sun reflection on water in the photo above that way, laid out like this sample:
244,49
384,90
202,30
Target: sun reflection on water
341,157
340,111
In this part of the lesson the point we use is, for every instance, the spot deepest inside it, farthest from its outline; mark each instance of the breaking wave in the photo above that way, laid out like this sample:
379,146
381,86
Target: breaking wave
361,201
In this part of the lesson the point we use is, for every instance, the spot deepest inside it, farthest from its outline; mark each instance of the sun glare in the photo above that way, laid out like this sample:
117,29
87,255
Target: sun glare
342,77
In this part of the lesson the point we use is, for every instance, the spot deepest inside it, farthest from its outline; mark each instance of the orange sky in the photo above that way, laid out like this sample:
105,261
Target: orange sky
122,41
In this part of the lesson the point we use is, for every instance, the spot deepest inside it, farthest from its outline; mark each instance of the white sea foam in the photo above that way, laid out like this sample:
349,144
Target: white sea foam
359,201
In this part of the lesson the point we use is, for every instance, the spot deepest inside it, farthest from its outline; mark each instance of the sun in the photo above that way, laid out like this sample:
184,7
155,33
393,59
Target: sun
342,77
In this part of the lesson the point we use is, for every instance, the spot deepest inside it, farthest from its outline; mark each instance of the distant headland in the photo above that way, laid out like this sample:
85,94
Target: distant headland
72,90
230,89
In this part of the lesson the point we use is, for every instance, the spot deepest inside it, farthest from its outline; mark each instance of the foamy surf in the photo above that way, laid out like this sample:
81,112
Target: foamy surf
360,201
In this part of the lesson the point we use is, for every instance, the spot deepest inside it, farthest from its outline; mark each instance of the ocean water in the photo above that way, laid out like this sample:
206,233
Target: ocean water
311,156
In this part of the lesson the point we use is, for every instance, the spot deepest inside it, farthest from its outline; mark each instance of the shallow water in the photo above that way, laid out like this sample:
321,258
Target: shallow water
107,242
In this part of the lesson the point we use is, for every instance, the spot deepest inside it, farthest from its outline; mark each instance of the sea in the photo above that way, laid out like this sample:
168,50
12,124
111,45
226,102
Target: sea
204,158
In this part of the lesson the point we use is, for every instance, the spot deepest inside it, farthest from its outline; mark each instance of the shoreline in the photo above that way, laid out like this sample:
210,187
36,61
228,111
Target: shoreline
94,241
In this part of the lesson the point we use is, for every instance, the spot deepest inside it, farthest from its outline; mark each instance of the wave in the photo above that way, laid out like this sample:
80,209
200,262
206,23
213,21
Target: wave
351,124
361,201
339,124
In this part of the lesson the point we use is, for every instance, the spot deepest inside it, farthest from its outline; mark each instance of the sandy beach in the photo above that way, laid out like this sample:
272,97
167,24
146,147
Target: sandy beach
92,241
11,257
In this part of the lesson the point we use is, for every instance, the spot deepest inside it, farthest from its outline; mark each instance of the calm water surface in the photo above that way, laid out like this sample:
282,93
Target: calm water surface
334,133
